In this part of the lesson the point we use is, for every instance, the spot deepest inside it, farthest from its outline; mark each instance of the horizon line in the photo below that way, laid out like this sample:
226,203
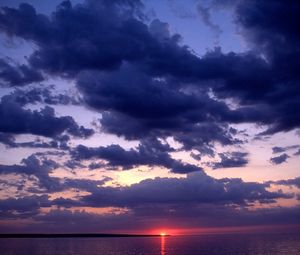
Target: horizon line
75,235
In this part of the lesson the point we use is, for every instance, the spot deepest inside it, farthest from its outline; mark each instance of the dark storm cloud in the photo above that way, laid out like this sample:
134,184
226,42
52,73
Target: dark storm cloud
30,165
278,149
96,165
155,85
259,19
10,142
7,139
231,159
184,127
247,77
72,38
60,142
197,188
159,98
44,95
166,106
295,181
149,152
153,49
25,207
18,75
87,36
128,88
279,159
195,156
270,82
159,194
283,157
271,29
33,166
156,107
17,120
73,164
40,167
146,199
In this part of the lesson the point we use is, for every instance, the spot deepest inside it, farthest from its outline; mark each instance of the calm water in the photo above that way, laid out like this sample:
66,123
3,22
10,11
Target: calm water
244,244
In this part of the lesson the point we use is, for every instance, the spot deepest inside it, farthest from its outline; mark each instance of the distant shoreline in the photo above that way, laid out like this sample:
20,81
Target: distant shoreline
73,235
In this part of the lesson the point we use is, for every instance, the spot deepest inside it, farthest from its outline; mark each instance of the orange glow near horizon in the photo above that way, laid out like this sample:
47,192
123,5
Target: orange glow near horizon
223,230
165,232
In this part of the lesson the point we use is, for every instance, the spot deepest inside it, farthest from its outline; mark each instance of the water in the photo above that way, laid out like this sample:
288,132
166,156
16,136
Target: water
243,244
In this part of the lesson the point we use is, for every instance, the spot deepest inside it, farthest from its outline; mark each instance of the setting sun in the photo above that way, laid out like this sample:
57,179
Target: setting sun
162,234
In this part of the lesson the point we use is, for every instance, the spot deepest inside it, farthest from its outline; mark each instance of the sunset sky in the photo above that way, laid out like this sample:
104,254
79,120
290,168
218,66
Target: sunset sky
129,116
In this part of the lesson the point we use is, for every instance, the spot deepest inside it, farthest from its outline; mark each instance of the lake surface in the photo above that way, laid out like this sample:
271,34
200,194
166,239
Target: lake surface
233,244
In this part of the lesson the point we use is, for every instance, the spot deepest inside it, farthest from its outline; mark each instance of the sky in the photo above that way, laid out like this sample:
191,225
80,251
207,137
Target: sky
132,116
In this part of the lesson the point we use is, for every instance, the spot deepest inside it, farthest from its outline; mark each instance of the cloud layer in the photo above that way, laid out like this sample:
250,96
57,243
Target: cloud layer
148,88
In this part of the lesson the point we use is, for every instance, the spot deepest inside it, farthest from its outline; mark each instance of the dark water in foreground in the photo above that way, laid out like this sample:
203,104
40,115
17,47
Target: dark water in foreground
233,244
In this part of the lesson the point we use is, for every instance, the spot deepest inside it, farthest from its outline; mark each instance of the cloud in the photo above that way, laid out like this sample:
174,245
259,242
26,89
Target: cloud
33,166
295,181
278,149
156,199
60,142
150,152
83,45
278,41
44,95
148,87
7,139
283,157
231,159
177,80
192,118
17,120
211,203
155,54
25,207
40,167
256,82
279,159
18,75
196,188
297,153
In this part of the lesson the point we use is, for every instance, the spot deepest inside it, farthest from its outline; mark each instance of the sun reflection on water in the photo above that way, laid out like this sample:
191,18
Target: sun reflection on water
162,244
